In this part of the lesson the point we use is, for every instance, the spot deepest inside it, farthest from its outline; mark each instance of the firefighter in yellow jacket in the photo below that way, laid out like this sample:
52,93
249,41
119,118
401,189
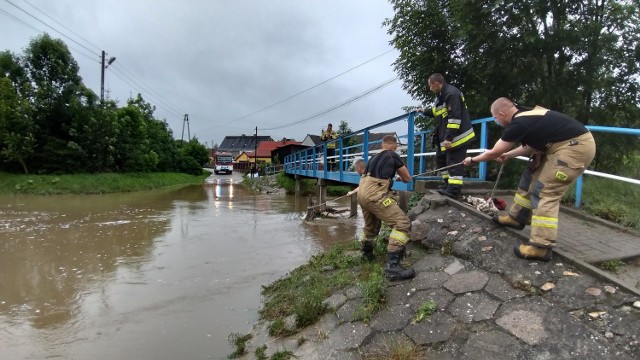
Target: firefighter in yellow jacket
560,149
374,196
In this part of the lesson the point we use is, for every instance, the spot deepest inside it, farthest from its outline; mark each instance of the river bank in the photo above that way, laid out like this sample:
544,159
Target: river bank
471,298
102,183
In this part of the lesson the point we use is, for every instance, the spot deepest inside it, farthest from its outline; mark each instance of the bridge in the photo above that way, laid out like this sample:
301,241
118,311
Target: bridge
583,239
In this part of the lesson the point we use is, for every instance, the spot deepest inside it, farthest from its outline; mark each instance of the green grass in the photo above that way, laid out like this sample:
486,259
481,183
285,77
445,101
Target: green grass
303,291
612,266
93,183
426,309
611,200
239,342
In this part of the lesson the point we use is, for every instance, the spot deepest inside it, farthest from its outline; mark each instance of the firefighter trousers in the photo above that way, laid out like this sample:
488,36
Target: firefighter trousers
537,200
452,177
378,205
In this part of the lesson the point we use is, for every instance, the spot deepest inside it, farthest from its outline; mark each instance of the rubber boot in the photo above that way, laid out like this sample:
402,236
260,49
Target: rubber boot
367,251
532,252
451,191
394,271
444,184
507,220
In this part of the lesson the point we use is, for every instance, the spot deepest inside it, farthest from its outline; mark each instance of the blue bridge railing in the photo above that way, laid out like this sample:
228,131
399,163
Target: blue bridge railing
314,162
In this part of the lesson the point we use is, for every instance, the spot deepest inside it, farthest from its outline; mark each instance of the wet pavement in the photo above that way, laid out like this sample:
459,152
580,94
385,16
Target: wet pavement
490,304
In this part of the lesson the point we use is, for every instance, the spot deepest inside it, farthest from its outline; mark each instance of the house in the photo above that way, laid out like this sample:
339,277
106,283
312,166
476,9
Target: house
311,140
278,154
265,149
237,144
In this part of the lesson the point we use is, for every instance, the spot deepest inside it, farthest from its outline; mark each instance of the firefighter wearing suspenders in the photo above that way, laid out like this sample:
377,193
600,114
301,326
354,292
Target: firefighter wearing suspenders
377,204
560,150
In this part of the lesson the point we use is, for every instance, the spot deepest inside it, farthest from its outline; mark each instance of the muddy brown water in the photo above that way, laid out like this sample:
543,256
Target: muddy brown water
164,274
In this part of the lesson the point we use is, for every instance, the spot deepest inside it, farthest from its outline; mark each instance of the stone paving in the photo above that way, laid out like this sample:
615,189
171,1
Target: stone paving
590,239
489,303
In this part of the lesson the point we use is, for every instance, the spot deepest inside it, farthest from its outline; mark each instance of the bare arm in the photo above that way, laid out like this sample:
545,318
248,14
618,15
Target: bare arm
404,175
498,149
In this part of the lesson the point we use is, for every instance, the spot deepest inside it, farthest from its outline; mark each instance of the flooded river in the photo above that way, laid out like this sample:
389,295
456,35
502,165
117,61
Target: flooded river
163,274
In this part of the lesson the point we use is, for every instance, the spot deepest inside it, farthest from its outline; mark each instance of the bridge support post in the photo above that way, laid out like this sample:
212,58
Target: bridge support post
354,205
297,186
322,193
403,200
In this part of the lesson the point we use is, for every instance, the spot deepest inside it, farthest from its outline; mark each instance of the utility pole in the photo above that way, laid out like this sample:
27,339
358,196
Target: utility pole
103,67
255,152
186,120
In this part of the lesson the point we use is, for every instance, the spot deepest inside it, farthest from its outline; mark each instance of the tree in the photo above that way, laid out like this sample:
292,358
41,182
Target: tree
17,141
579,57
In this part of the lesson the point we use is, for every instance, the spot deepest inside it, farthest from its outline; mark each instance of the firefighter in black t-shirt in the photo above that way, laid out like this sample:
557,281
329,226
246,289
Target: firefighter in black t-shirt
378,204
560,149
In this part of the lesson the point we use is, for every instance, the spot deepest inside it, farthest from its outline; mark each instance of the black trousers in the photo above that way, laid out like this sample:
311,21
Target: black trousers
453,176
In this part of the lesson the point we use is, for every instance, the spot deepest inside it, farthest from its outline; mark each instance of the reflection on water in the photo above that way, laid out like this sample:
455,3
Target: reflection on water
159,274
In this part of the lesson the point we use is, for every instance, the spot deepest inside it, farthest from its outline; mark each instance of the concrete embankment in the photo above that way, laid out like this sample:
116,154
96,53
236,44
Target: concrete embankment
488,303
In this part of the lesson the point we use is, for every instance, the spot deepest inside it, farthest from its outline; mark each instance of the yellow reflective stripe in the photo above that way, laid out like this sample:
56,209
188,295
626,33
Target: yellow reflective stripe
463,138
453,126
542,221
399,236
439,111
445,175
524,202
455,181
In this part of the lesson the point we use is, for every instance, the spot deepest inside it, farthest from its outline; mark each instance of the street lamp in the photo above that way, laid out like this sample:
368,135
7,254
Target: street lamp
103,68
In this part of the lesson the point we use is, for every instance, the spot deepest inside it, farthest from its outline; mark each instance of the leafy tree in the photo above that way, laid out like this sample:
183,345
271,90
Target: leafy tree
193,156
17,141
578,57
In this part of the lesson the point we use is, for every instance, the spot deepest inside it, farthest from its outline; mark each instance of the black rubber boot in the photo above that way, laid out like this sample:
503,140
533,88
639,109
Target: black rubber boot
452,192
444,185
367,251
394,271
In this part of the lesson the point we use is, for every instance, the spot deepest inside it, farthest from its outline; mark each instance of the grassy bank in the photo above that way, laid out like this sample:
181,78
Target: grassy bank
93,183
611,200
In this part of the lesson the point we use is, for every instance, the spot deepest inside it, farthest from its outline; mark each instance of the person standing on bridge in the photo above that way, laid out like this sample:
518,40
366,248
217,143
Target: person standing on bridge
378,205
327,135
452,134
560,149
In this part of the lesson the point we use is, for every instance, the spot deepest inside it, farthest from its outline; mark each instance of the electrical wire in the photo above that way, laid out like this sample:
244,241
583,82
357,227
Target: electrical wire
335,107
311,88
51,27
61,24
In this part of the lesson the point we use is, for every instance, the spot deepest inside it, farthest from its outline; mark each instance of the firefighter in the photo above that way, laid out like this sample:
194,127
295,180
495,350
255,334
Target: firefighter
327,135
560,149
452,135
378,204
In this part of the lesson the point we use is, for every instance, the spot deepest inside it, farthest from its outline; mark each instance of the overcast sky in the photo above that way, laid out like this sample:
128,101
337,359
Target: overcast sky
223,61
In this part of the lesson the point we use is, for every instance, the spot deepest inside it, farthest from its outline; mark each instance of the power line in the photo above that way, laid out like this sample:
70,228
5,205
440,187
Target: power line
130,74
18,20
335,107
134,82
59,23
311,88
51,27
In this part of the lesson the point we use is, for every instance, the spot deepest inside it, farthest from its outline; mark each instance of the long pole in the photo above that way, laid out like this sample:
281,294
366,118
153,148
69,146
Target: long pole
102,78
255,152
